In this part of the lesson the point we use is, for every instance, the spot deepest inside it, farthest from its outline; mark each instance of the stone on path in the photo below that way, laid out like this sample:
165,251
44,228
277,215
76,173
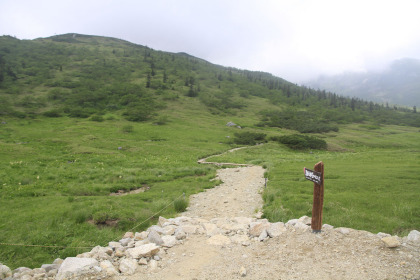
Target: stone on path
109,268
414,236
154,237
128,266
75,267
218,240
257,228
276,229
169,241
391,241
147,250
242,271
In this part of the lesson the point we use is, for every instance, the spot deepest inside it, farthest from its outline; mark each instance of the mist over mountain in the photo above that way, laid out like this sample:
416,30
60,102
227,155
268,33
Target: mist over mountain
398,84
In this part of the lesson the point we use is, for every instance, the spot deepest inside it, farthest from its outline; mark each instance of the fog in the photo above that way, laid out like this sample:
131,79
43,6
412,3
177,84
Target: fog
296,40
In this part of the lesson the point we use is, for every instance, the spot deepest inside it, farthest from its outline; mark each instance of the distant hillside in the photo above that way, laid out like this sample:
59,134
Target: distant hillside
399,84
85,76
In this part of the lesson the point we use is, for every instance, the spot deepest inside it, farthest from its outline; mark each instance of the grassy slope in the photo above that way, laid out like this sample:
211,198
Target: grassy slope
57,173
372,183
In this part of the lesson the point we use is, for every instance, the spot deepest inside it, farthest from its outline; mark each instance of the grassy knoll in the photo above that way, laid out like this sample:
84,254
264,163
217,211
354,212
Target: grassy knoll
371,179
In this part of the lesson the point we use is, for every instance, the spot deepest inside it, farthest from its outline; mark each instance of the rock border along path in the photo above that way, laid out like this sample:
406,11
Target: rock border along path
218,238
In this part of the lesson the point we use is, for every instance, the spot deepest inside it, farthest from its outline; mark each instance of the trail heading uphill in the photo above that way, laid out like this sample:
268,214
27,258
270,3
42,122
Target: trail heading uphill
225,241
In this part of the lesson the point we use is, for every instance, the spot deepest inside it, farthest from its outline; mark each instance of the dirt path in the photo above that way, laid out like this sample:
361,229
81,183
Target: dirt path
238,195
297,253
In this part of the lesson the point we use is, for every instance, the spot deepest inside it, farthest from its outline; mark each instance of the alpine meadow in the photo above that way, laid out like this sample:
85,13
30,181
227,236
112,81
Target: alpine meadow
99,136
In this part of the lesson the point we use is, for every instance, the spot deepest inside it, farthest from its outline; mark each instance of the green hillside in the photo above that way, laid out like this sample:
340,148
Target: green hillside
85,76
85,117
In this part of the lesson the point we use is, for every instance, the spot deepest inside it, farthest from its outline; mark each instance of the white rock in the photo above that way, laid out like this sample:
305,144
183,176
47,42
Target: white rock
147,250
292,222
182,219
243,220
128,235
49,267
276,229
301,226
153,265
306,220
258,215
168,241
234,227
189,229
391,241
101,253
120,252
219,240
114,245
242,271
256,228
169,230
141,242
128,266
76,266
5,271
156,228
343,230
140,235
143,261
263,235
382,235
26,277
180,234
22,271
154,237
58,261
162,221
414,236
240,239
327,227
124,242
109,268
211,229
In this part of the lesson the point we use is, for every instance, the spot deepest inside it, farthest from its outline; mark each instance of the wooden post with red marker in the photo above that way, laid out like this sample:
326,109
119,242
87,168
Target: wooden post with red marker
317,176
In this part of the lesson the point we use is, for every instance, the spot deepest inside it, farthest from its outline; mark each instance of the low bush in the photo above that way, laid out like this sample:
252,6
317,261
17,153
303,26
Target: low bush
180,205
301,142
249,138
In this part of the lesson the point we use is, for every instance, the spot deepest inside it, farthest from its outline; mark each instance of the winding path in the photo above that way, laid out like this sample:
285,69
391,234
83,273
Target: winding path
296,254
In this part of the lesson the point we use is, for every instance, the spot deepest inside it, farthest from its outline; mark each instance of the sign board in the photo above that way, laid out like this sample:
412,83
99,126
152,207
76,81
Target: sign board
313,176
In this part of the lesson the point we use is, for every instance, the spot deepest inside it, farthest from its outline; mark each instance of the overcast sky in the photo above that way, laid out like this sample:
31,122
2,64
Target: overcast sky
295,39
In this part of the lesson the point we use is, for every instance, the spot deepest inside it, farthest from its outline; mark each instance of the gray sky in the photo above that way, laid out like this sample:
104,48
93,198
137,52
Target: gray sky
294,39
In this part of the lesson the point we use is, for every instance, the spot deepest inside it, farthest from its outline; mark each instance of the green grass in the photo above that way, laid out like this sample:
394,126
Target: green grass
372,183
56,175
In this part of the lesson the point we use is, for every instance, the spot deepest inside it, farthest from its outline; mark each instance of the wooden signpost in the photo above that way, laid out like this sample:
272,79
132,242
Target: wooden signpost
317,176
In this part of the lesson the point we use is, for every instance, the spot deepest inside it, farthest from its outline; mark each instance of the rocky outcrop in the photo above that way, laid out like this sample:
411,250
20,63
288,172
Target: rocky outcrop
146,249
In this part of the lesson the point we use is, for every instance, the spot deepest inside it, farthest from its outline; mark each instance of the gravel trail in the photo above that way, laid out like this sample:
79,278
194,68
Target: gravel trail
335,253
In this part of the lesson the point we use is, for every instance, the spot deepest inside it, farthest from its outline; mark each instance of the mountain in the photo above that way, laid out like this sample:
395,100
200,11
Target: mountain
84,76
398,84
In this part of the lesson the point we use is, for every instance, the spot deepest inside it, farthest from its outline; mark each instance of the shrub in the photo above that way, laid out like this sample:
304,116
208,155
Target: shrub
249,138
301,142
180,205
97,118
52,113
127,128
